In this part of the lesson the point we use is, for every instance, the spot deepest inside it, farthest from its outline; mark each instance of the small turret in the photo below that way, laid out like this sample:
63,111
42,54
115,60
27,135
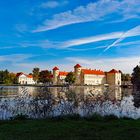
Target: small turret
55,75
114,77
77,70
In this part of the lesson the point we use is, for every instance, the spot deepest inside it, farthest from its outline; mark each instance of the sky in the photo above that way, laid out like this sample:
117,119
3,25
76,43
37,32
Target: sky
97,34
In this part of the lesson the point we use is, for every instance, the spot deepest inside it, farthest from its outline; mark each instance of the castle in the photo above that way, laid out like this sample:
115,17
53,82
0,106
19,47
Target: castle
88,76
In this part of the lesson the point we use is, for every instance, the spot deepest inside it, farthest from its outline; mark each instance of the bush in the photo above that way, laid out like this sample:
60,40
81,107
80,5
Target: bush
110,117
127,118
95,117
20,117
66,117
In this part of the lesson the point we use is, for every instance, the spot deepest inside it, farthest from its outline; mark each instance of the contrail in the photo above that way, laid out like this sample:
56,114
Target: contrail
132,32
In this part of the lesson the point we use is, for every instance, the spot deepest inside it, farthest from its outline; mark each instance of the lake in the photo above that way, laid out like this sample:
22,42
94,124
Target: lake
42,102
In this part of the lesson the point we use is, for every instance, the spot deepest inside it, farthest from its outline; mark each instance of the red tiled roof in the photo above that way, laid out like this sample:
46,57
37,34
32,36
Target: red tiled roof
113,71
29,76
55,68
94,72
63,73
20,73
77,66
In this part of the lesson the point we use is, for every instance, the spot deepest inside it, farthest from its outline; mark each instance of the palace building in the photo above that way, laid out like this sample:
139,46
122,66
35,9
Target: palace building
88,76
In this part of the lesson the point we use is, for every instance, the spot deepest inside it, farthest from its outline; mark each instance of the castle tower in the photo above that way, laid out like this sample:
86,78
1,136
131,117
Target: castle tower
114,77
77,71
55,75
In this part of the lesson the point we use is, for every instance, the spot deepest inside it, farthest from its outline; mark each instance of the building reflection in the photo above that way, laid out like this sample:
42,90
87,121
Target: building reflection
112,93
83,92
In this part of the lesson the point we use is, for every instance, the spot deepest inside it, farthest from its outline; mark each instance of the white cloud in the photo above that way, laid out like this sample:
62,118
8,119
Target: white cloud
97,38
14,57
92,12
49,4
53,4
120,35
75,42
114,35
125,64
21,28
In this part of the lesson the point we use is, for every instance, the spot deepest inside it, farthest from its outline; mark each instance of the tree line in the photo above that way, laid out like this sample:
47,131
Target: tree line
45,76
7,78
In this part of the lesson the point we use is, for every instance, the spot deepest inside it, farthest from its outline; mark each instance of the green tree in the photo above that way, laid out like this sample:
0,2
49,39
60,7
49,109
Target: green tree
7,78
13,78
136,77
36,74
45,76
126,77
70,78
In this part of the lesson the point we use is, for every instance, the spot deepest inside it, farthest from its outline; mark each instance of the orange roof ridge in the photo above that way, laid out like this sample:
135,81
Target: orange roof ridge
113,71
63,73
55,68
77,66
27,75
94,72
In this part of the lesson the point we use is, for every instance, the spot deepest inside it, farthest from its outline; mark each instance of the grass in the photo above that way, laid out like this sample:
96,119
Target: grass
70,129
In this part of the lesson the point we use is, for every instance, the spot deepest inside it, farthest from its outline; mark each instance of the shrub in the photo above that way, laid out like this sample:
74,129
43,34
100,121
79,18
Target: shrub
20,117
95,117
110,117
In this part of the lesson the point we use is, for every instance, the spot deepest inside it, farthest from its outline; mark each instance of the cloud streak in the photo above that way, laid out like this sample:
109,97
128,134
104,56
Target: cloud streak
132,32
114,35
53,4
14,57
91,12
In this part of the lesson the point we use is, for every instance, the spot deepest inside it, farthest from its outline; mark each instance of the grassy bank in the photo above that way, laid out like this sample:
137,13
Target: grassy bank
70,129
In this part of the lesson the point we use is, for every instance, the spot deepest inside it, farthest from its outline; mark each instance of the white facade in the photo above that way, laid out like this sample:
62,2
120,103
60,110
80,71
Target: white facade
91,79
114,78
89,76
25,79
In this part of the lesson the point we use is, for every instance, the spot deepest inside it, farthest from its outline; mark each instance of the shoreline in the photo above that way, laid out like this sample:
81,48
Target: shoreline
37,85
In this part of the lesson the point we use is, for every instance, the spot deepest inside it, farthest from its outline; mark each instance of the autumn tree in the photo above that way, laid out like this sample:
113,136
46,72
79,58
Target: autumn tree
45,76
35,74
7,78
70,78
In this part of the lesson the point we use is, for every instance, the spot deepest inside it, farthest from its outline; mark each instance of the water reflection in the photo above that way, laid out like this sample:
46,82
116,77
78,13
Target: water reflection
41,102
112,93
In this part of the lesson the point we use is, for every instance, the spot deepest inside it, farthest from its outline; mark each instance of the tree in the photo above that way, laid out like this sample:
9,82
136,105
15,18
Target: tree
136,77
7,78
70,78
36,74
45,76
126,77
13,78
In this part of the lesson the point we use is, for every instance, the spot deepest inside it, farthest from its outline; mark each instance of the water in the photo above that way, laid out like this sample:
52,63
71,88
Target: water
43,102
113,93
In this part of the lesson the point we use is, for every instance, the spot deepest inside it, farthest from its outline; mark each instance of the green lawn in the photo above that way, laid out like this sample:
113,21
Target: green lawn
70,129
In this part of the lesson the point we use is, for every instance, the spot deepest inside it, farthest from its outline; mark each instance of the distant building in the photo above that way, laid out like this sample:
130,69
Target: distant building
59,76
88,76
24,78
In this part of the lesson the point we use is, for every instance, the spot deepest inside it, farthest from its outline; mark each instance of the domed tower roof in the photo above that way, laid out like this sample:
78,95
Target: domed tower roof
113,71
77,66
55,68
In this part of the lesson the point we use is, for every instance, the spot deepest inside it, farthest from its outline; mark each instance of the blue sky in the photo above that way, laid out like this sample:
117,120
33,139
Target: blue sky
98,34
